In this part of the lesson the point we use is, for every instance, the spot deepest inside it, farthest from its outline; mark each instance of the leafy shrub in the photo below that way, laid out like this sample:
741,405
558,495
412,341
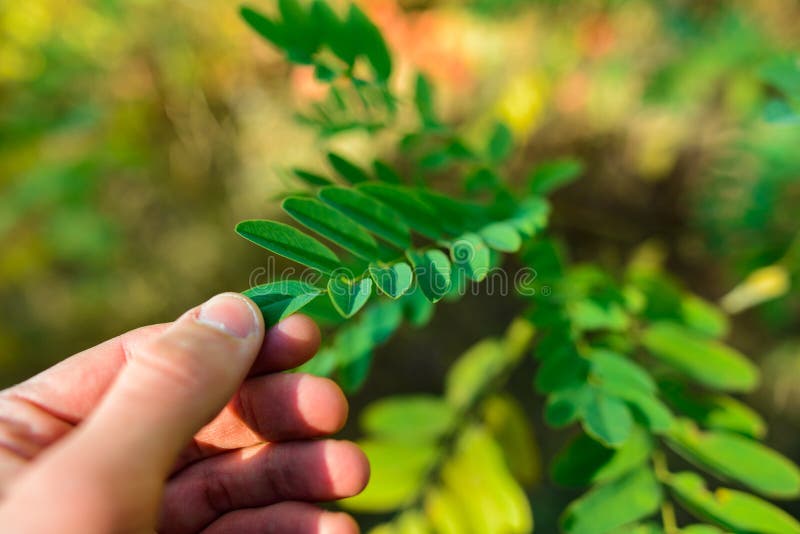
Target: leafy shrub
636,362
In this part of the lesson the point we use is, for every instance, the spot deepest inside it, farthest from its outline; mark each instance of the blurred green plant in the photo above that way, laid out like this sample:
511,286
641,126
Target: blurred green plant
638,364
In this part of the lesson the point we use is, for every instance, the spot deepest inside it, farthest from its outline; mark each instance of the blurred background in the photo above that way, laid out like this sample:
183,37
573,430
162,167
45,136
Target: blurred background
134,135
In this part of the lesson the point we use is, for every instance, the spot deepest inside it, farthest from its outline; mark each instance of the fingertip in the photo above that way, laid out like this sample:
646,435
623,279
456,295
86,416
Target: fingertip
322,404
288,344
337,523
348,468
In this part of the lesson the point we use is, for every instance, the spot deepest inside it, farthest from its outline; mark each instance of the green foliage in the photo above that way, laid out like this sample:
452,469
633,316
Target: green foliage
637,363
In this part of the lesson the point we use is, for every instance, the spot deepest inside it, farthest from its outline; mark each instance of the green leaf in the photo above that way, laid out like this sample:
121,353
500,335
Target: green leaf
584,461
414,418
418,215
703,317
347,170
554,174
590,314
394,280
531,216
716,412
567,405
701,529
639,528
607,419
265,27
732,456
470,252
373,215
708,362
731,509
625,500
385,173
432,269
349,296
397,471
423,99
624,379
455,216
617,374
501,143
371,42
290,243
417,309
311,178
278,300
299,43
332,225
561,370
501,236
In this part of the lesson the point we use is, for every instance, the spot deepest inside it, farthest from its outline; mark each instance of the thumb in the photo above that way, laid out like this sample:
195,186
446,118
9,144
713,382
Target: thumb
172,385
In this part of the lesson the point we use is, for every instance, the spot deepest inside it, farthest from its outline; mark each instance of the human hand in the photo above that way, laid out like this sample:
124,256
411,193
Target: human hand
117,438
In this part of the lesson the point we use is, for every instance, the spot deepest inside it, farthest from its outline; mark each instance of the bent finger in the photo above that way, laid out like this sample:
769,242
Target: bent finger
295,517
260,476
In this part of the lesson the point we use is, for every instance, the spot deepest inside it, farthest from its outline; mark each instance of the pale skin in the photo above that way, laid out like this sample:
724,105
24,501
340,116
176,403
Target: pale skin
178,428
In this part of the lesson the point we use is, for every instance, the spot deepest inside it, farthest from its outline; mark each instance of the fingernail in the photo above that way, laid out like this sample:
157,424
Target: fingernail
230,313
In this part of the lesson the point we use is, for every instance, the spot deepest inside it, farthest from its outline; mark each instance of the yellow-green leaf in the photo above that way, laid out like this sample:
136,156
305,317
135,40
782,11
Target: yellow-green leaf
414,418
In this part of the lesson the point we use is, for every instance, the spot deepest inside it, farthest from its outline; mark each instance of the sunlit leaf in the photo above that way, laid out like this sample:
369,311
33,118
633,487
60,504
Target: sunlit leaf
731,509
512,430
732,456
396,475
473,369
706,361
414,418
